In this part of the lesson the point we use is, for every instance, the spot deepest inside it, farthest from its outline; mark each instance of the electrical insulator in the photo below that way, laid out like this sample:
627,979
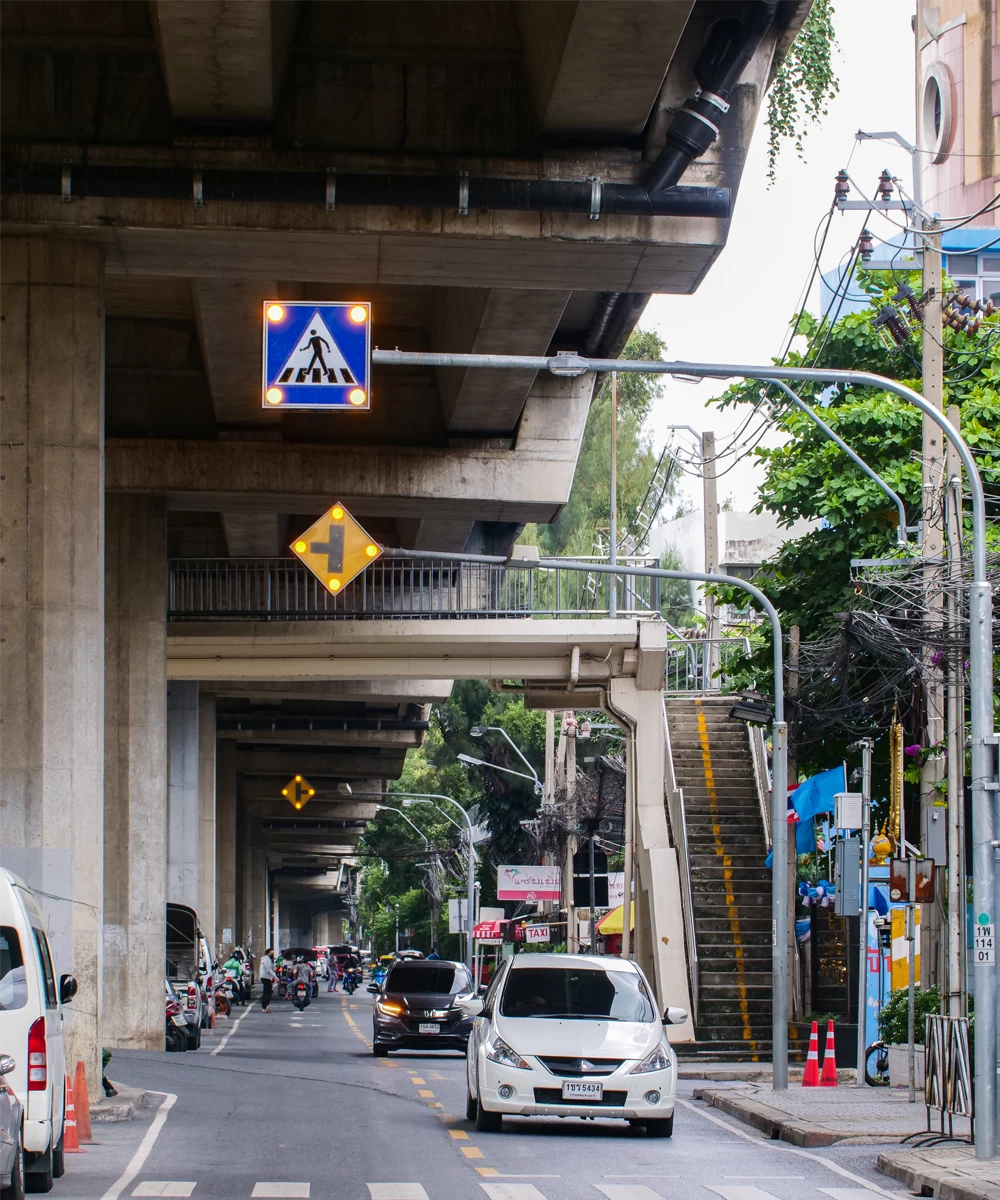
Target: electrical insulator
841,186
865,245
892,327
906,297
885,186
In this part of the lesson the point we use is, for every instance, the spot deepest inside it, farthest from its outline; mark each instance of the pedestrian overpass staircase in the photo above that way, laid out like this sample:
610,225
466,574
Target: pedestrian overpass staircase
730,888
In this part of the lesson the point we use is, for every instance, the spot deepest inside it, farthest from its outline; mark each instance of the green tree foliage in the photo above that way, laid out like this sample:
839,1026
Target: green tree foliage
809,580
804,84
589,507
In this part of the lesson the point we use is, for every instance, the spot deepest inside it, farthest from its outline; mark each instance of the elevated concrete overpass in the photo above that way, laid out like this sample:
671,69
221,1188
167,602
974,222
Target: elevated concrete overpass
493,176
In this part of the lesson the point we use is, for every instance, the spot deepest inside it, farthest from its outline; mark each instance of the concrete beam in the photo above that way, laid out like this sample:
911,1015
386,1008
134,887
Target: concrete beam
222,59
228,317
491,321
595,67
507,648
263,799
435,534
252,535
362,691
530,484
318,738
314,765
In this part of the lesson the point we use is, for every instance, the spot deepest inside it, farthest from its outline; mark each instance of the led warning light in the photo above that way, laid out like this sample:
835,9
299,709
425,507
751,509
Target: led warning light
356,396
337,512
298,778
359,314
334,585
284,791
274,395
371,549
300,547
275,312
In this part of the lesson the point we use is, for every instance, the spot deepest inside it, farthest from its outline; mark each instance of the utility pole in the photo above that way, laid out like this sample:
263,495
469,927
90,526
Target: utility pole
569,739
796,997
956,738
710,503
613,532
932,817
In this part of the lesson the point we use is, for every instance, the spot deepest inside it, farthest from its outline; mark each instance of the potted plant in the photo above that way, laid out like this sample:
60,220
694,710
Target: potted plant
893,1030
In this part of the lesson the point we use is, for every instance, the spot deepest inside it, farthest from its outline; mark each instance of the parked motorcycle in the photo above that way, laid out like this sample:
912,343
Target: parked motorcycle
301,1000
176,1033
234,988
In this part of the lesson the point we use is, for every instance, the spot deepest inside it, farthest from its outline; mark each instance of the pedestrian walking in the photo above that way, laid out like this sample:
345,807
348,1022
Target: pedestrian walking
267,978
333,973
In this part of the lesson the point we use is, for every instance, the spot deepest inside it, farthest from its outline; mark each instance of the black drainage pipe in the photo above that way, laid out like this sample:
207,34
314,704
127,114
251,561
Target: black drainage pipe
461,192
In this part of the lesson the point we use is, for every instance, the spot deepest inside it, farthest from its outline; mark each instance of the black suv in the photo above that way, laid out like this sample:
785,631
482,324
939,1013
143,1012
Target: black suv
423,1005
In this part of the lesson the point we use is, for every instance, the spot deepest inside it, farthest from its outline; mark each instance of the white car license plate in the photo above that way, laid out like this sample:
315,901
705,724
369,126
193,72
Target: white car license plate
429,1027
578,1089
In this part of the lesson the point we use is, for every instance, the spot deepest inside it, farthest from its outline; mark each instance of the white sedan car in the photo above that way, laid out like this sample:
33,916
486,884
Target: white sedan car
572,1035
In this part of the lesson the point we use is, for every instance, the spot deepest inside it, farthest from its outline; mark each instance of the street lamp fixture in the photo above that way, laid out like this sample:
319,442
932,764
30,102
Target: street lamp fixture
752,709
478,731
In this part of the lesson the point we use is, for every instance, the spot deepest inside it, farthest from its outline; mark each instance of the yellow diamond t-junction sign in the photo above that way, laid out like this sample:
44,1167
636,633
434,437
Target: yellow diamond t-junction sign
336,548
298,791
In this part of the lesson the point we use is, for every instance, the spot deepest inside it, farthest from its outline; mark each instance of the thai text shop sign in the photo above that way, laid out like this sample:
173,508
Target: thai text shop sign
528,883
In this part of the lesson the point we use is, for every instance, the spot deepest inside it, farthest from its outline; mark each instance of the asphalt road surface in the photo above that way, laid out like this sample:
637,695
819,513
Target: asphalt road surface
283,1105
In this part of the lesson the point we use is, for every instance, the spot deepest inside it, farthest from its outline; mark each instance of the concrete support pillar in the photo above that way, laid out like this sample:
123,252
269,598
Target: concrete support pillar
659,921
52,605
135,771
253,923
183,816
276,939
206,814
225,847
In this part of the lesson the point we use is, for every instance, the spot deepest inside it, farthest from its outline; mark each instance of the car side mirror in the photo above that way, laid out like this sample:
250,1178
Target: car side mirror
374,988
67,988
482,989
675,1016
7,1064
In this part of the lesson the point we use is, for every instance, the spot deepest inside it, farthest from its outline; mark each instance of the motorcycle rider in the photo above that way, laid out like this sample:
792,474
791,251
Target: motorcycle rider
233,965
304,973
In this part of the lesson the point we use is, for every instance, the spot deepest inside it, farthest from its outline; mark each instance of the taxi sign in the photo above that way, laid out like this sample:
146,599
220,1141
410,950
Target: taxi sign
335,548
298,792
317,356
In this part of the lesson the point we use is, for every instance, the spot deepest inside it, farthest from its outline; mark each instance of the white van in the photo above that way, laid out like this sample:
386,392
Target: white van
31,1029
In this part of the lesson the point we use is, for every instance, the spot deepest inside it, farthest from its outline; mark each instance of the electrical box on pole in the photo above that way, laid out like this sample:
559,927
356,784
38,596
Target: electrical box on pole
847,901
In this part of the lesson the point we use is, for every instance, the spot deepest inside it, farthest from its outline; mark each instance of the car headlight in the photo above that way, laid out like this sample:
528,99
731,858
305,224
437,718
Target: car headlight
657,1060
501,1053
389,1009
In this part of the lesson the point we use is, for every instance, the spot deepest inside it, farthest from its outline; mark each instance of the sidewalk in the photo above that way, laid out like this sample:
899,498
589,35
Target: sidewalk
948,1172
743,1072
824,1116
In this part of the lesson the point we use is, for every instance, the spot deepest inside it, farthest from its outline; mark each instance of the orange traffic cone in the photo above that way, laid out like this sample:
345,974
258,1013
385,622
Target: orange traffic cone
71,1143
829,1076
810,1077
81,1101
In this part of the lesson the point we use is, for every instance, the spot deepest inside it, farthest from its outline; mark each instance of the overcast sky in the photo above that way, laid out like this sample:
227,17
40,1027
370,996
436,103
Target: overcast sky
741,311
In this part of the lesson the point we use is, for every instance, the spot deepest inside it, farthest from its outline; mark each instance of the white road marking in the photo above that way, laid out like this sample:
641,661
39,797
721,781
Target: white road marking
844,1193
744,1178
139,1158
628,1191
512,1191
275,1191
163,1187
778,1148
222,1045
740,1193
397,1191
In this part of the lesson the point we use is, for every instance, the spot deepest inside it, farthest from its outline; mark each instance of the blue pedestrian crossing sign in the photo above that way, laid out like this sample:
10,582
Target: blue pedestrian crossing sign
317,356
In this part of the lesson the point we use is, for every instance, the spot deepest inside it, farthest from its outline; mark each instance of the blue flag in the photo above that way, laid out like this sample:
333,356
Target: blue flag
809,799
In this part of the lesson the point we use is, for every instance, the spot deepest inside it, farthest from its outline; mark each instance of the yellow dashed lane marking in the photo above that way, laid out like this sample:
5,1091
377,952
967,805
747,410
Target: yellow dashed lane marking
472,1152
425,1093
417,1079
459,1135
727,875
489,1172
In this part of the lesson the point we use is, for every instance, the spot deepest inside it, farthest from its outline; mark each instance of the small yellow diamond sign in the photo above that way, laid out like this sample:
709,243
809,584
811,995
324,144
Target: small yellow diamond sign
336,548
298,791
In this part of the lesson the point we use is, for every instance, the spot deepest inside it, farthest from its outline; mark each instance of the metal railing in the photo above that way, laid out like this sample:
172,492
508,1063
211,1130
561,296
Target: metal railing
699,664
282,589
761,775
678,830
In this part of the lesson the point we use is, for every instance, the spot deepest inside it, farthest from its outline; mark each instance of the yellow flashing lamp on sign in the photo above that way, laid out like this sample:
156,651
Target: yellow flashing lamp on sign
274,395
359,314
356,396
336,549
298,792
275,312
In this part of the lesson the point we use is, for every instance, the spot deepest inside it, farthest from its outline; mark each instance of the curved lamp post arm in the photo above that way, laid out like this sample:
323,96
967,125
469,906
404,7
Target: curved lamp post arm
810,412
513,745
389,808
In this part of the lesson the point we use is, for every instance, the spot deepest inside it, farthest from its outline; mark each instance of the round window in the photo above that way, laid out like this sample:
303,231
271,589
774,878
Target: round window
936,118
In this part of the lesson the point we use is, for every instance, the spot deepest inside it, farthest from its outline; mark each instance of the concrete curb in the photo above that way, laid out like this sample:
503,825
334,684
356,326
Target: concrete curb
742,1073
925,1178
780,1126
113,1109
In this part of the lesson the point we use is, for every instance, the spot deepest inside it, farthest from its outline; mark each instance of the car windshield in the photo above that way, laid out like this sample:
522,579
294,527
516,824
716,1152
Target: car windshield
440,978
13,984
576,994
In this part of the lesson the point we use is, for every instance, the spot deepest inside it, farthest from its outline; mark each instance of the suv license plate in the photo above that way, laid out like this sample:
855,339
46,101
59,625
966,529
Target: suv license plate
429,1028
577,1089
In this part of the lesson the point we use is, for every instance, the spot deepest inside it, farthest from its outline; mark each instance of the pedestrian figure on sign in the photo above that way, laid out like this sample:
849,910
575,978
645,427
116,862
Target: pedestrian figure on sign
315,343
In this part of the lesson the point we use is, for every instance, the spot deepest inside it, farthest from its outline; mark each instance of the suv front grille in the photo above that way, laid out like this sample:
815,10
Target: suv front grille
574,1068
